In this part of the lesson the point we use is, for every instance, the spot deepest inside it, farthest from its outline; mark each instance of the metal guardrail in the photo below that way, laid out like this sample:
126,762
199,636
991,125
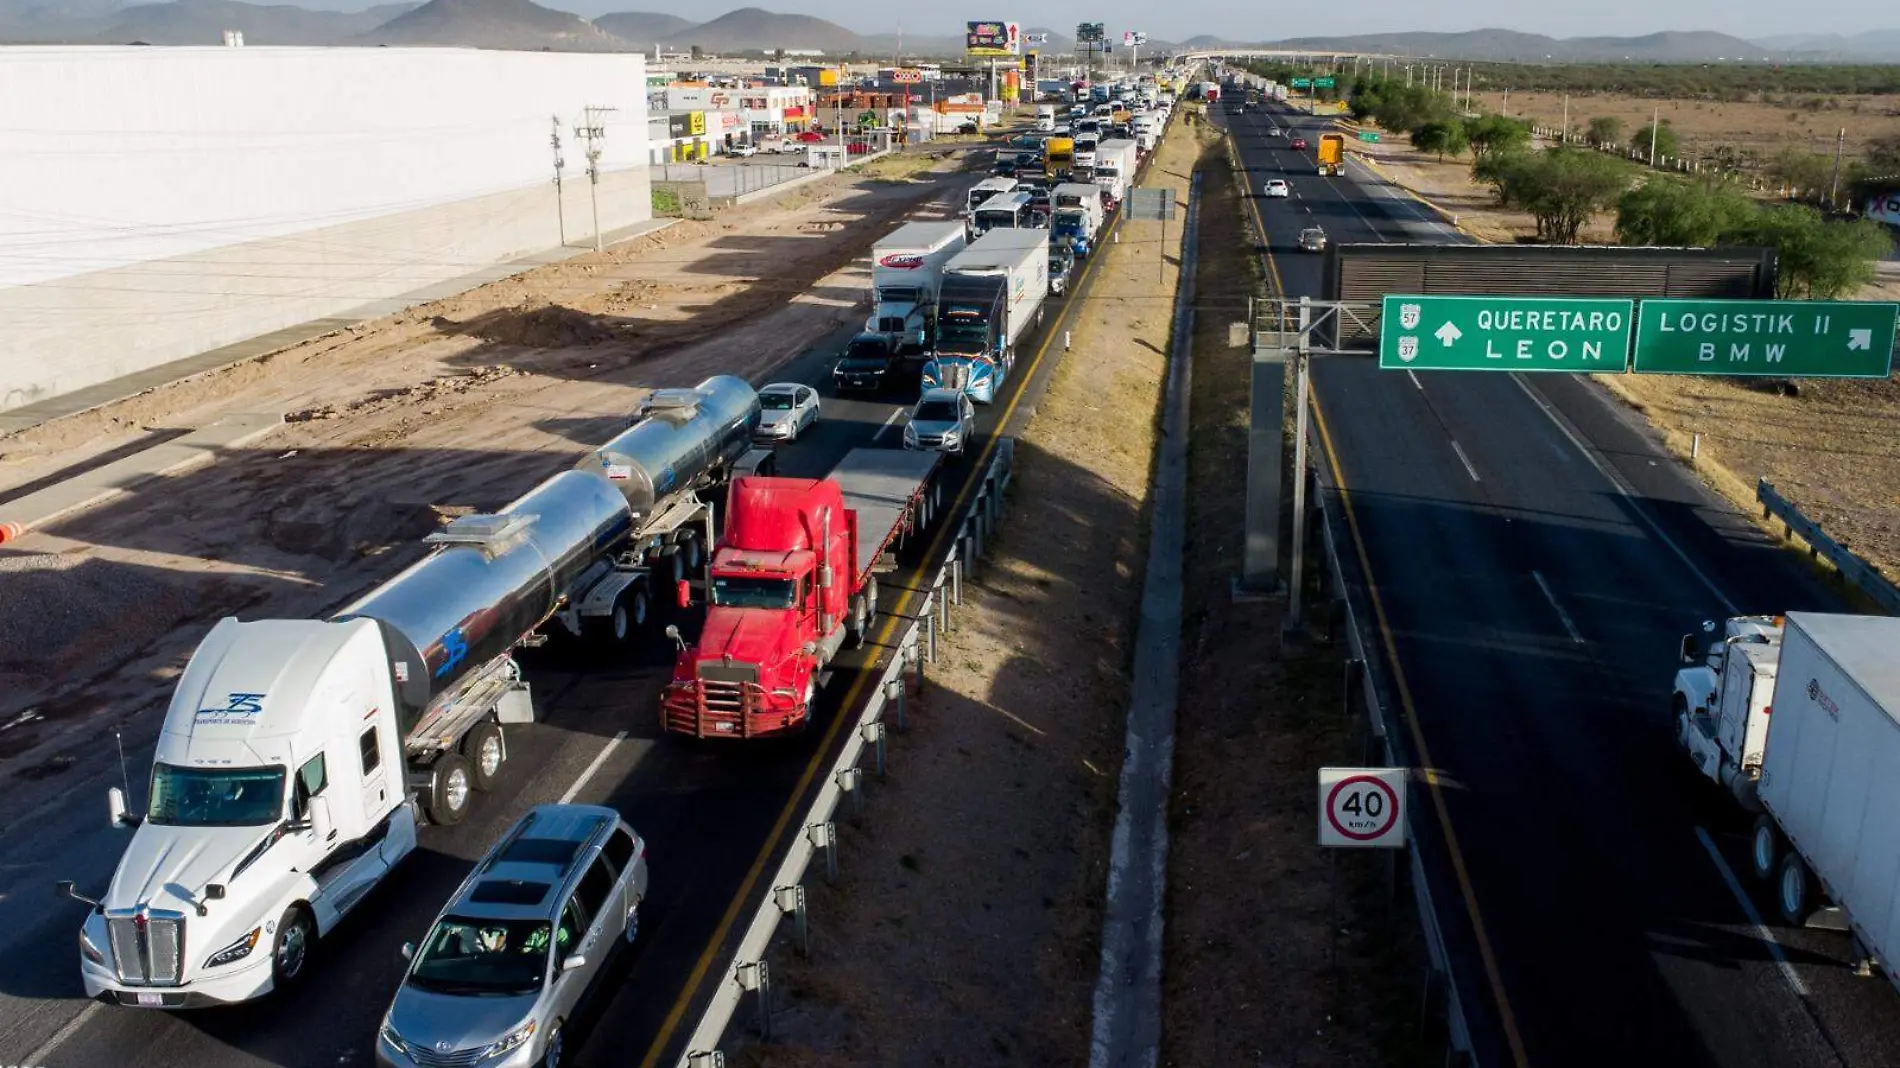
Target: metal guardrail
1390,753
748,972
1856,572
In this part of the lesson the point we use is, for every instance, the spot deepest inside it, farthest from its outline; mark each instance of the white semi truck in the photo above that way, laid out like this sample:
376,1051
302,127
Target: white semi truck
295,754
906,270
1798,718
1115,163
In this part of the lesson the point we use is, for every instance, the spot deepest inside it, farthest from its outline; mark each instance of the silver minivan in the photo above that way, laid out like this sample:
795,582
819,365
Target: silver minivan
521,941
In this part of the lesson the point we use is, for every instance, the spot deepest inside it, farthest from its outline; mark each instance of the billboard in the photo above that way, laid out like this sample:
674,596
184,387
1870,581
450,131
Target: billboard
993,39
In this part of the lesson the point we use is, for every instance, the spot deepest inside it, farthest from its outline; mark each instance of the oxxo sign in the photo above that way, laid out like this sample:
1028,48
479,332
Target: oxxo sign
1362,807
1504,333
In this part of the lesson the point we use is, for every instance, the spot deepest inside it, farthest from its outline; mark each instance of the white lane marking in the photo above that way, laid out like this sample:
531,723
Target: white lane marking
1635,506
599,759
1415,381
888,423
1466,460
44,1054
1754,918
1561,614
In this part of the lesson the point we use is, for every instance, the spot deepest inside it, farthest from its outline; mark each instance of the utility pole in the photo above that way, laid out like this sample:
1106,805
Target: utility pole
560,204
1505,110
1834,186
593,133
1564,137
1655,127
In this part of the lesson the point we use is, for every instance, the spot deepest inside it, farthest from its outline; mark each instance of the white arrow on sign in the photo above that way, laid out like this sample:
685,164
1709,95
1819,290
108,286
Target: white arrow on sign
1448,334
1860,339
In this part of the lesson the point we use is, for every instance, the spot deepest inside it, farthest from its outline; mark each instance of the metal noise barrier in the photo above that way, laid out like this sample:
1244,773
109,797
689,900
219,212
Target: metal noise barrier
1365,657
916,644
1853,570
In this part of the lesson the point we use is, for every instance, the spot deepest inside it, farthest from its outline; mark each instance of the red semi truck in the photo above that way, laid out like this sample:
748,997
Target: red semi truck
794,581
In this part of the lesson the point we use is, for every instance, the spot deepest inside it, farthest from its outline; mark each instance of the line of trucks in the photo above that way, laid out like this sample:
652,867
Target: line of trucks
1797,719
297,758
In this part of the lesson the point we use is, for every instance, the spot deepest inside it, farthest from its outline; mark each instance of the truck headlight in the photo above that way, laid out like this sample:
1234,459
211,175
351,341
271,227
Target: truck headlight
237,950
90,950
511,1040
388,1034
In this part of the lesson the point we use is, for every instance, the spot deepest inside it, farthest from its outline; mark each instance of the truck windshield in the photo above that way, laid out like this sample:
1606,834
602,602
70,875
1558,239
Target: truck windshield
747,591
483,957
216,797
968,326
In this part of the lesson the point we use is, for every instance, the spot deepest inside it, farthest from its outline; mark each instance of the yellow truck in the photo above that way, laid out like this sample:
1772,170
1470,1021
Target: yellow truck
1332,153
1058,157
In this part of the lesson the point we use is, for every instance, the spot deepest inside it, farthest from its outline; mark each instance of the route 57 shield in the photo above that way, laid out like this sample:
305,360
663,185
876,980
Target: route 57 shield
1408,316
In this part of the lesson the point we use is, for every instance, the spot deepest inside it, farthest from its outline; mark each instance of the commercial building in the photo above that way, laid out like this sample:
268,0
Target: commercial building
164,202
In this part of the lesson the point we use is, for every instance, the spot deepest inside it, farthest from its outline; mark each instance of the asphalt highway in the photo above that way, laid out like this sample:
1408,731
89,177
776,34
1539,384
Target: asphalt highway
708,812
1536,557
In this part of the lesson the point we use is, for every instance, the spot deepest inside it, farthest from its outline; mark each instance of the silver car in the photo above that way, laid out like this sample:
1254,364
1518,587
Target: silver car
521,941
943,421
787,408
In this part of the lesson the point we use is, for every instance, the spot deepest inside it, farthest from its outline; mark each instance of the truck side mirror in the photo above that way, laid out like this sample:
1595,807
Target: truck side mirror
408,951
116,810
573,961
214,892
1689,645
66,888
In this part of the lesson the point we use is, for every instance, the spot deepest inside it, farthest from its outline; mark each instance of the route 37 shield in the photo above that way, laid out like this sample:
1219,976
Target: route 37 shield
1408,348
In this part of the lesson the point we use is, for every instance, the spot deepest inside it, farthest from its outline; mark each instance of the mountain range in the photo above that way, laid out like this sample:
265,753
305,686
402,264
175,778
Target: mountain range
523,24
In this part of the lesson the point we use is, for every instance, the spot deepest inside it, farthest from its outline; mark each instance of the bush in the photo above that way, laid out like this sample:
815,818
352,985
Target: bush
1604,130
1494,135
1562,188
1679,212
1815,258
1666,143
1444,138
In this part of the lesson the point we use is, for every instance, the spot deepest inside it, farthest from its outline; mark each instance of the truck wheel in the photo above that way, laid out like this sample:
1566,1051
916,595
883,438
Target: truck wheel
1679,721
451,792
870,602
693,549
1794,890
482,746
855,628
1764,848
669,567
290,949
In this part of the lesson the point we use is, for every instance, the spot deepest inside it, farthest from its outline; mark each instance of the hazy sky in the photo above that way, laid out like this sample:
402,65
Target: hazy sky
1253,20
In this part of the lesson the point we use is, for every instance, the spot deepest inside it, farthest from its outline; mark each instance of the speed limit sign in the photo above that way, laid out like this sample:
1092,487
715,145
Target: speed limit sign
1362,807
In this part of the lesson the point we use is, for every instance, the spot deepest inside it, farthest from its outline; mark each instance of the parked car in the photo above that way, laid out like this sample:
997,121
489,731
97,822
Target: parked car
1299,144
1275,187
742,150
788,408
866,364
943,420
1312,239
516,950
1061,265
811,137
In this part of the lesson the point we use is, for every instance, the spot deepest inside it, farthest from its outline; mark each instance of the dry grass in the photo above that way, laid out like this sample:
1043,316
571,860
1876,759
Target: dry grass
964,928
1756,128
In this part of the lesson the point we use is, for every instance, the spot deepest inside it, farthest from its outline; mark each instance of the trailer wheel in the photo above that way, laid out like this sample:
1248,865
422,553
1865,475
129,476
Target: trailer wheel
482,746
1764,848
1794,890
450,794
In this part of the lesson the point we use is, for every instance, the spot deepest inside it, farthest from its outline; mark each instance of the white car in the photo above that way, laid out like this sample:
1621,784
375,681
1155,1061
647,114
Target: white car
788,408
1275,187
743,150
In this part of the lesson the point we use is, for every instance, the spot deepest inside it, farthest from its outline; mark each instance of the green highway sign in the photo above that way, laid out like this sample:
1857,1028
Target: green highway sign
1368,135
1783,338
1301,83
1323,83
1504,334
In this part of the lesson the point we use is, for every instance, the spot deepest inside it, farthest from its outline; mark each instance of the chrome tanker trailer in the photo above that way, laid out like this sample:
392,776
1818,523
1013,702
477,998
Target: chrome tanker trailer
282,783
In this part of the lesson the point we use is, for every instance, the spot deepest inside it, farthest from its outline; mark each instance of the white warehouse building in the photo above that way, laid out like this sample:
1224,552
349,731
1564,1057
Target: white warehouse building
158,203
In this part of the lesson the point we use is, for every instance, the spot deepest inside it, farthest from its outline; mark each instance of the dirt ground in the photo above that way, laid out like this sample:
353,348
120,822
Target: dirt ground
1831,449
1753,127
450,407
1275,956
965,924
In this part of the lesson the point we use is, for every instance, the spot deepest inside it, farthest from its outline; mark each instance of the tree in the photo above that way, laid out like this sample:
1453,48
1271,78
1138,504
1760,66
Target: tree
1679,212
1444,138
1562,188
1816,259
1666,141
1490,135
1604,130
1804,175
1364,104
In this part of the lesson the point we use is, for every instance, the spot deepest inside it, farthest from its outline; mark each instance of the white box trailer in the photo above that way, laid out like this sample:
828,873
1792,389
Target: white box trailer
1115,163
1830,774
906,269
1022,257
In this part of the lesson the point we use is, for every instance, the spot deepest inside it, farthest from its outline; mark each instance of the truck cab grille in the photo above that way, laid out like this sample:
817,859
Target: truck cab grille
148,947
724,703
